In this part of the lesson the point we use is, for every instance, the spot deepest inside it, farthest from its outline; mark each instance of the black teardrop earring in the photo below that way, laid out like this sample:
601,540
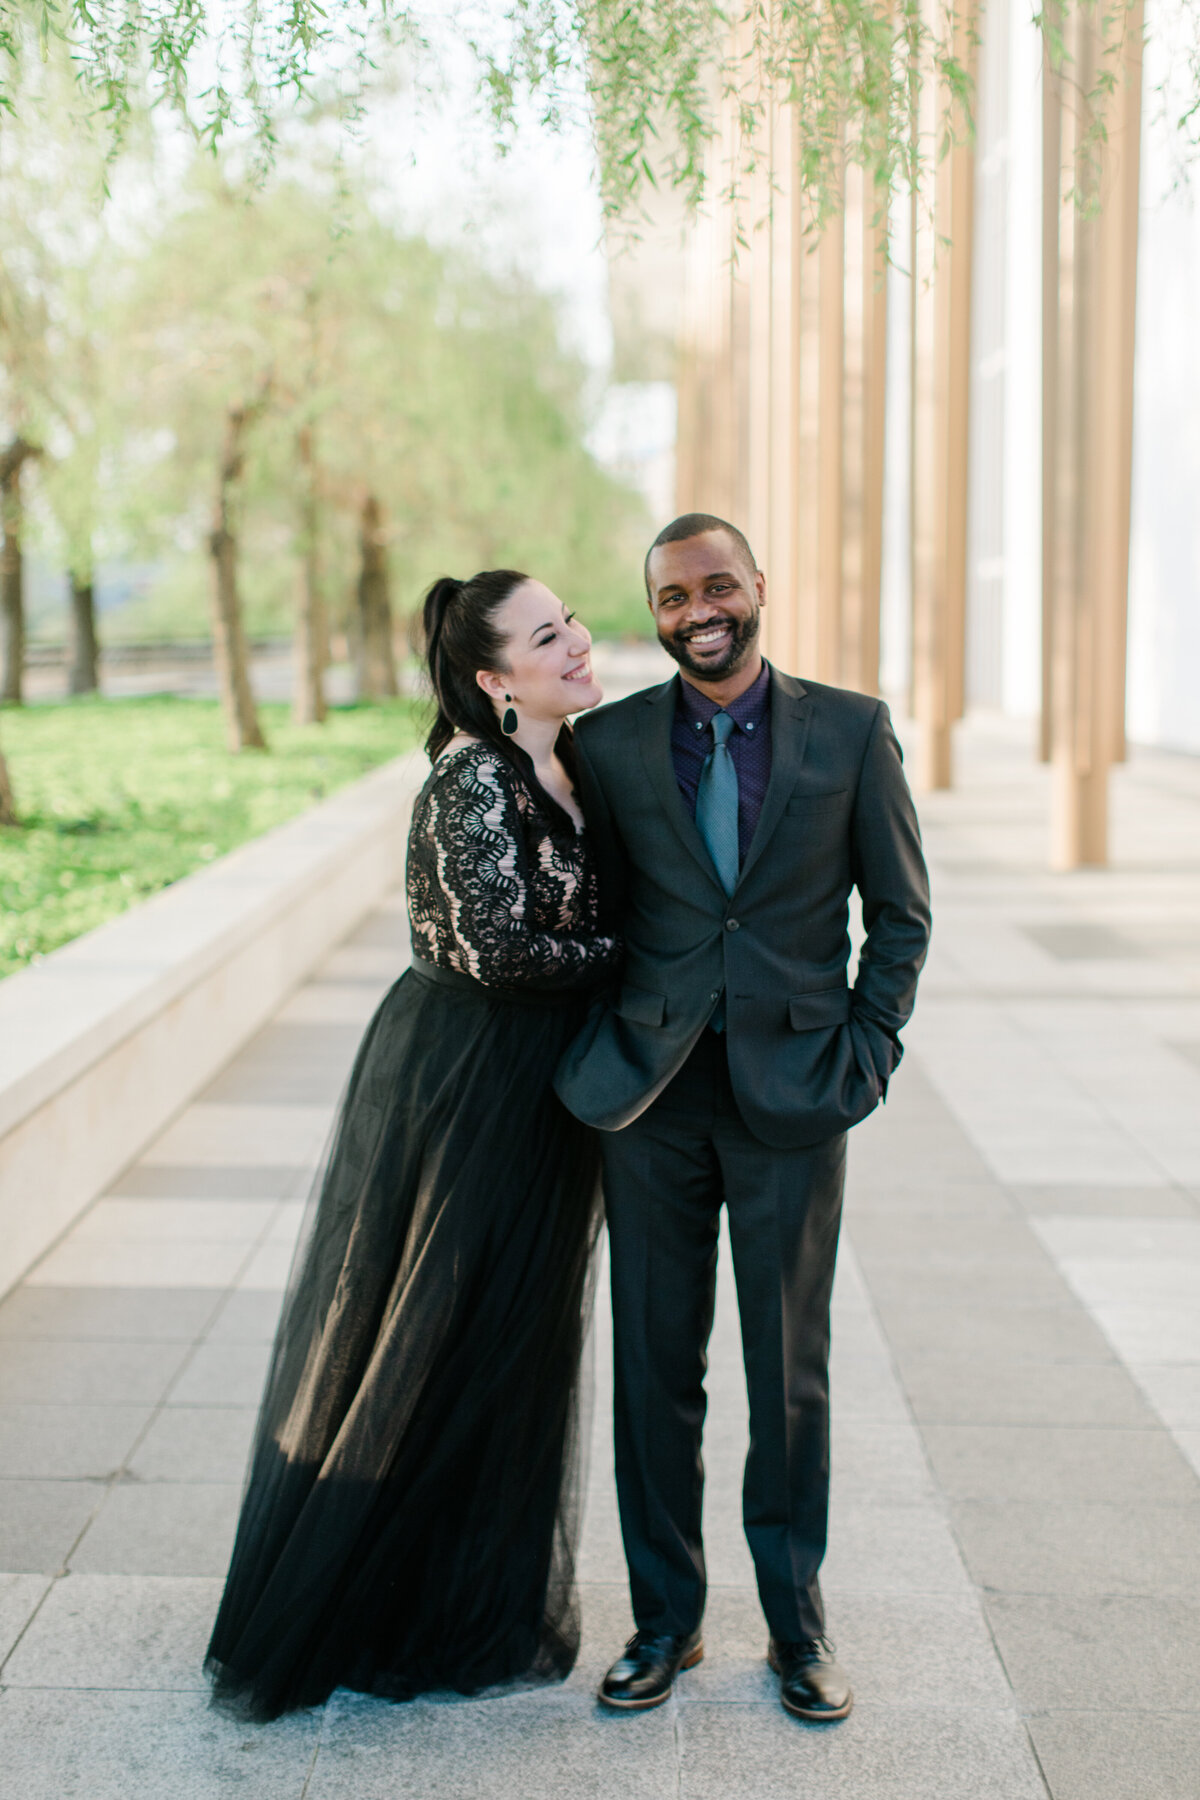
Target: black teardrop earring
508,723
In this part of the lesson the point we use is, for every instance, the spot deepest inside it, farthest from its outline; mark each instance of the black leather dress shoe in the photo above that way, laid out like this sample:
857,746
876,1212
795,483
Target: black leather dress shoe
812,1683
644,1674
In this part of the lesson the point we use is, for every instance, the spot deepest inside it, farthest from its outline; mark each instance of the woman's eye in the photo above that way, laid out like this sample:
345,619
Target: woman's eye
568,618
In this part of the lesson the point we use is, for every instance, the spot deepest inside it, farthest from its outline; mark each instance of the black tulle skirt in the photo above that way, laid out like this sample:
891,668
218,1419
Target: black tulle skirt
411,1512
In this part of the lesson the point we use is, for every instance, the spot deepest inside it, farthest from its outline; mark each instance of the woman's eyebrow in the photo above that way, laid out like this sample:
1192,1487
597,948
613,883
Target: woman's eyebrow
548,626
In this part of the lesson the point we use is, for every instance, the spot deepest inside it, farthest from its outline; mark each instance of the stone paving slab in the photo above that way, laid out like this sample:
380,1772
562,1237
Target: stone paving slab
1100,1651
41,1520
943,1390
68,1443
1127,1755
20,1597
118,1631
135,1315
112,1744
539,1748
195,1443
162,1528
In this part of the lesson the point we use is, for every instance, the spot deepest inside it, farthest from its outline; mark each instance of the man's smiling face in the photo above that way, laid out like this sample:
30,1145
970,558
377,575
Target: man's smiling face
705,598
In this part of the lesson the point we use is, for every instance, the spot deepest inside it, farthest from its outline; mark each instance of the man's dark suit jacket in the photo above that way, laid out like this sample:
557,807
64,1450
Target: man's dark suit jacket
808,1056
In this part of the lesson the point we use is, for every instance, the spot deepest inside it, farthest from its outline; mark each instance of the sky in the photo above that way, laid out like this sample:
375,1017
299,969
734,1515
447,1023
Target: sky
535,207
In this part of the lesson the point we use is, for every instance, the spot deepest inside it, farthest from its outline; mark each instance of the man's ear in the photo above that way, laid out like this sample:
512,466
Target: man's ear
760,586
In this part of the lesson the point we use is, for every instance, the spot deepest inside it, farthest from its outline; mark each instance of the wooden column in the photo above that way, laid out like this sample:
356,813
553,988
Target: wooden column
702,363
694,426
941,338
690,431
757,260
1090,254
783,375
781,553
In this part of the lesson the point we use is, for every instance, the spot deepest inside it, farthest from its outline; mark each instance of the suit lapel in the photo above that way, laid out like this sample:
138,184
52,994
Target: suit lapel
655,720
791,712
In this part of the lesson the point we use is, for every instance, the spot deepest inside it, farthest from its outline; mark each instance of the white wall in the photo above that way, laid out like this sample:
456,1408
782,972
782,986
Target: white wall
1021,646
1005,531
1164,597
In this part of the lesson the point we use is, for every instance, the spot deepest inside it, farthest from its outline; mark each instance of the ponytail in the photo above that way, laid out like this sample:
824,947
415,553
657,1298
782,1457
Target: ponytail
461,638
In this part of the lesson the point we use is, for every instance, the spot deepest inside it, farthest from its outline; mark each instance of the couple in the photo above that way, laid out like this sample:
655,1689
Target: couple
629,961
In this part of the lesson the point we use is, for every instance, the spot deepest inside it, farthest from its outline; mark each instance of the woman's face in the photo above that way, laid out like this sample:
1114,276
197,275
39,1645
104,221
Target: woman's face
548,653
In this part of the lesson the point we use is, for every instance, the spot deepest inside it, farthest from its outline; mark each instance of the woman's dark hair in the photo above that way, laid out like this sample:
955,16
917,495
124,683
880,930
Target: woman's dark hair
462,637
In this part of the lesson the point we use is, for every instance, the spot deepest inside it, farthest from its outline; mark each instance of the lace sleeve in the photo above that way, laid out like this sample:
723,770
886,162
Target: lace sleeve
483,873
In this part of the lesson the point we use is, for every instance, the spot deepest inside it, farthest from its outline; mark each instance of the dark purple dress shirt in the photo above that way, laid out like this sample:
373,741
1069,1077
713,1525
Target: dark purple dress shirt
749,746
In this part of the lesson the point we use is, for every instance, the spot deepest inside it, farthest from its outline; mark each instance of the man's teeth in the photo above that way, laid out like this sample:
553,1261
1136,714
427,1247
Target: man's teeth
709,637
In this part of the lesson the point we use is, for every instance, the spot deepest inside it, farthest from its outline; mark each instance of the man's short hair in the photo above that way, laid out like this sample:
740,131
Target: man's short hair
690,525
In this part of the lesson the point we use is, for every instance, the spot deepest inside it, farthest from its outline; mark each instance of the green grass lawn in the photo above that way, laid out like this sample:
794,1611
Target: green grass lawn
118,798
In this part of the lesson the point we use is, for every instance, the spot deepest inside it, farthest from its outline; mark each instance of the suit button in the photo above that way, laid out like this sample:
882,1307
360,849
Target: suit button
715,995
731,925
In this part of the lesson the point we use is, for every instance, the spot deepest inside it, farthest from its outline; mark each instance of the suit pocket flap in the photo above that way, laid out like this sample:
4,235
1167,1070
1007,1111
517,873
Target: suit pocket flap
829,1006
641,1007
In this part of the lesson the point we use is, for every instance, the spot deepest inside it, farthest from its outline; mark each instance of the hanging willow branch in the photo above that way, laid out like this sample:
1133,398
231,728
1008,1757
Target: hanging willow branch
661,75
1089,94
658,76
226,63
667,78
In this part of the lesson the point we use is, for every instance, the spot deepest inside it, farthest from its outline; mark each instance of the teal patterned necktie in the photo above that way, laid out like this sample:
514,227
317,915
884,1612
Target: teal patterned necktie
717,819
717,804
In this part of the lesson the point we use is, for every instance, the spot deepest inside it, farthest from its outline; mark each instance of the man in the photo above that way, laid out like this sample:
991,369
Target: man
733,810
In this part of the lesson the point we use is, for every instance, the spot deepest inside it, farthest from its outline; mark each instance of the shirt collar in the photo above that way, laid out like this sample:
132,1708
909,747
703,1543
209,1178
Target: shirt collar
747,712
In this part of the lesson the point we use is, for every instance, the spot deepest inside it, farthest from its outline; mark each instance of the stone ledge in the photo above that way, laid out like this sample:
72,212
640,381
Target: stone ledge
104,1041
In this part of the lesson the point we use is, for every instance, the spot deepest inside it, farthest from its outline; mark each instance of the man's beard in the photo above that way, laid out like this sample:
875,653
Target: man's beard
742,640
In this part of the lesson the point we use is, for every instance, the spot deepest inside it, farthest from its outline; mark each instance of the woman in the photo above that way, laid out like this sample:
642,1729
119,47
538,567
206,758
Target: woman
410,1517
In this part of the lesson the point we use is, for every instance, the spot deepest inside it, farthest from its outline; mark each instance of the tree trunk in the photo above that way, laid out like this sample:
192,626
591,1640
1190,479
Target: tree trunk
242,728
12,573
82,675
8,806
376,657
309,651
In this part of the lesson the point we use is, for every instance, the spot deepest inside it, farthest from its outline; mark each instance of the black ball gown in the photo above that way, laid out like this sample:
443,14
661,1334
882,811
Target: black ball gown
411,1512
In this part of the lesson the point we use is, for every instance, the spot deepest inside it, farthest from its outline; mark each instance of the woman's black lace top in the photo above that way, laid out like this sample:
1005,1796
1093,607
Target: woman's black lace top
501,886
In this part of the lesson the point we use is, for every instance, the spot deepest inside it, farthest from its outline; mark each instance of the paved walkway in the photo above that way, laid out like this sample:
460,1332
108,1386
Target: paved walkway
1014,1573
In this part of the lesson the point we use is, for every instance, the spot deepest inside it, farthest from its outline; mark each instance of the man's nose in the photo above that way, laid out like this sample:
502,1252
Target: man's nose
700,611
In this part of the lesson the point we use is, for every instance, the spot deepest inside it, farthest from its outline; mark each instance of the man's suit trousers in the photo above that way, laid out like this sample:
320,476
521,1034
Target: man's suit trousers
666,1176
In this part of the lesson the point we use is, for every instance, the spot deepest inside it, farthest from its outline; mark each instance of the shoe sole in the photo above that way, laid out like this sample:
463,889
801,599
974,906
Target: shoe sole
689,1662
826,1716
